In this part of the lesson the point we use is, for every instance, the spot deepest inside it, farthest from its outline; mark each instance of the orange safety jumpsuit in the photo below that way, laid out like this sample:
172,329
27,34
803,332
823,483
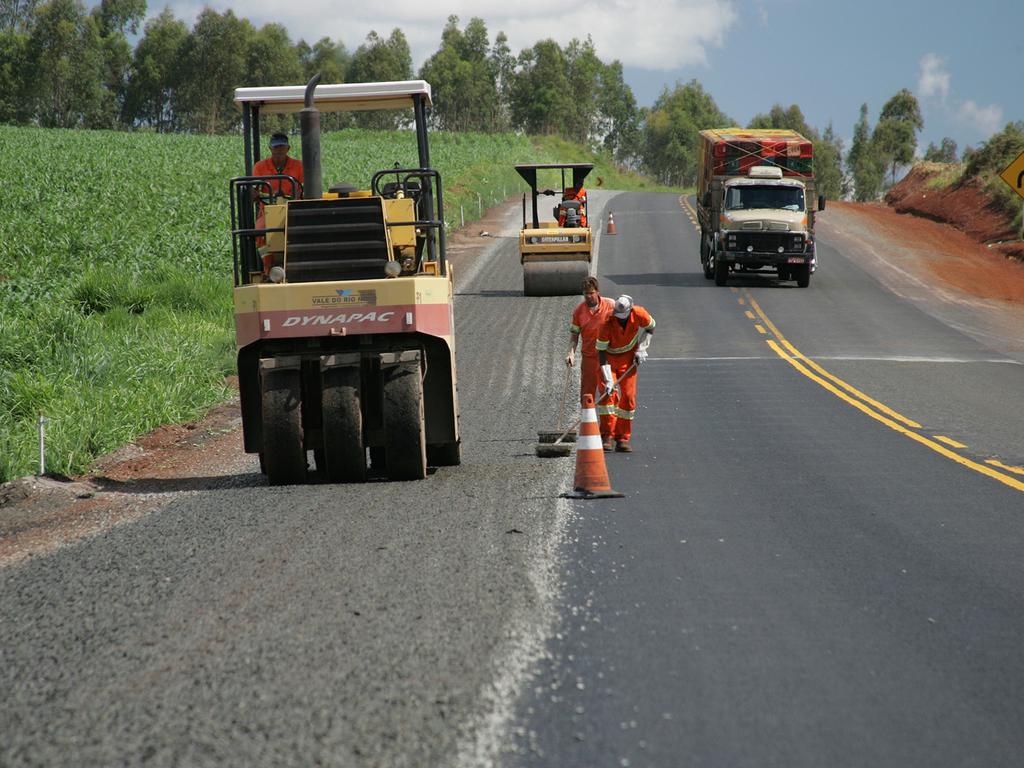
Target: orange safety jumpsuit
570,193
587,322
266,167
618,339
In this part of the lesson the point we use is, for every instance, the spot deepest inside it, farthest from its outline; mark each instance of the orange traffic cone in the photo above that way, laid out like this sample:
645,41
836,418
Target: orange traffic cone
591,472
611,225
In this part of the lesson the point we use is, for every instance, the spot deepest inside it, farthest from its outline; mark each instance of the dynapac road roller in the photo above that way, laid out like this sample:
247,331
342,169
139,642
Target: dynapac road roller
555,253
343,302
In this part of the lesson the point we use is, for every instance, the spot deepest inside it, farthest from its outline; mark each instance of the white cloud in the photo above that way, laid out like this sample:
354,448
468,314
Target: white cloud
933,79
659,35
985,120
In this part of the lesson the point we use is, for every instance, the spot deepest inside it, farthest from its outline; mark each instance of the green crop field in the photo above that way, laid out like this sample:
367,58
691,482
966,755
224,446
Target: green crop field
115,271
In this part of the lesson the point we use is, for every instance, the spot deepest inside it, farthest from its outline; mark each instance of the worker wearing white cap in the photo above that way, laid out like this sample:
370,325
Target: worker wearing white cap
623,342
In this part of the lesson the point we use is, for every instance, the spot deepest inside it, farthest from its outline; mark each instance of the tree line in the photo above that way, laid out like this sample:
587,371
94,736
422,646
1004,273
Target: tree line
63,65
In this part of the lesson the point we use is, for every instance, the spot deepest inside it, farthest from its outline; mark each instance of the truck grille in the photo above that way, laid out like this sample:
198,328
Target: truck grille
765,242
343,239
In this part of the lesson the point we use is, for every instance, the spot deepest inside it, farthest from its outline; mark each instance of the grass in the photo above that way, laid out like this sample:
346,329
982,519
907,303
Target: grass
942,174
115,271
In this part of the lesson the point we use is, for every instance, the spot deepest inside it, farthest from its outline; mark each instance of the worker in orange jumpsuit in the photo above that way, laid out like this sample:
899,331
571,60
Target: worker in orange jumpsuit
587,320
278,164
623,341
571,193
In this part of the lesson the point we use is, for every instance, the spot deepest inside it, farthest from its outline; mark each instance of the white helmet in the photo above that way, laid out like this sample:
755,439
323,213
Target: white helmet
623,306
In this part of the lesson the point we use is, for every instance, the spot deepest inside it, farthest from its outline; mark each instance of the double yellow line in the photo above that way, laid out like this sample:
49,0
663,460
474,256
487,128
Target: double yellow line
871,407
880,412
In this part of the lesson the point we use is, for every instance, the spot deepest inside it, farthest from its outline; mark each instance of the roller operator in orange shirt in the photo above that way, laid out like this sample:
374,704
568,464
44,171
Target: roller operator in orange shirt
623,341
278,164
587,319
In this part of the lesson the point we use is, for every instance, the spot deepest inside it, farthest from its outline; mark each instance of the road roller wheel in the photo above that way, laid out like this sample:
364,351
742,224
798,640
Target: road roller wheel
344,452
405,440
554,278
445,455
284,455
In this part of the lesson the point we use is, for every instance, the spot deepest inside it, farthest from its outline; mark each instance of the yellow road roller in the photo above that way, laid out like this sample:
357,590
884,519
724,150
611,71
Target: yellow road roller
555,253
343,302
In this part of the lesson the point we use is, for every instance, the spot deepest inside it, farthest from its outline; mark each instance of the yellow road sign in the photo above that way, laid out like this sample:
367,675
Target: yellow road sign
1014,175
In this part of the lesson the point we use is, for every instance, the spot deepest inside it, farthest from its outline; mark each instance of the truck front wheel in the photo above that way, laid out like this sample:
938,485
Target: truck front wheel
721,271
802,273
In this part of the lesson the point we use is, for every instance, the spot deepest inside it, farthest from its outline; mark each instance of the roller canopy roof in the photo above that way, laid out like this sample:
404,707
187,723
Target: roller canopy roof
347,97
579,172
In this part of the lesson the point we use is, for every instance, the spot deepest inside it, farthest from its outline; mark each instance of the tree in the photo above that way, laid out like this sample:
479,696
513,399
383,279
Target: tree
215,58
331,61
464,91
17,15
671,141
13,65
895,135
64,54
113,19
863,161
503,69
272,59
619,125
583,70
326,57
790,119
828,149
541,99
156,74
995,154
944,153
379,60
828,165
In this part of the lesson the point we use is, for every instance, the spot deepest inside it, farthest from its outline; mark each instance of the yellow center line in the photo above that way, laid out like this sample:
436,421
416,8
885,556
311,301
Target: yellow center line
949,441
825,380
997,463
760,329
821,371
749,314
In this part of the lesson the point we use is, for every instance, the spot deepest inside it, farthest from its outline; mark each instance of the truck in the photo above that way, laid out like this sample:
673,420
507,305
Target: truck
756,203
343,300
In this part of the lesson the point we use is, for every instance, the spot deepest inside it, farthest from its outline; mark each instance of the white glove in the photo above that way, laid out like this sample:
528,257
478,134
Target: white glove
609,382
640,357
570,358
645,341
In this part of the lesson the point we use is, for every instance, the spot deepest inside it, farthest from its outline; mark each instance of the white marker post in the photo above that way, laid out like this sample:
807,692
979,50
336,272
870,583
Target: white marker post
42,445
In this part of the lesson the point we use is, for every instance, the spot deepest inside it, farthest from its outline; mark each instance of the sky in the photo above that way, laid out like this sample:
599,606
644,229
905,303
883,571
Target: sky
963,62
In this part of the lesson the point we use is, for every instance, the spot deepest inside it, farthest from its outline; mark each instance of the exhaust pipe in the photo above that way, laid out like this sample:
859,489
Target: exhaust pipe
309,123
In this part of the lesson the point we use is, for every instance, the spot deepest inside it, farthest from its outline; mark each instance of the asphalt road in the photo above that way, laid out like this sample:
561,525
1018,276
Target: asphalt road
385,624
811,566
805,569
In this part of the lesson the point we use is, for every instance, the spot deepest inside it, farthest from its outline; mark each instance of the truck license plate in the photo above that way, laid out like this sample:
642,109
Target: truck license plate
795,260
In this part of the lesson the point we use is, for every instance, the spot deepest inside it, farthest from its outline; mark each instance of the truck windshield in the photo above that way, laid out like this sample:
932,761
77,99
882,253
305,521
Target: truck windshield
747,197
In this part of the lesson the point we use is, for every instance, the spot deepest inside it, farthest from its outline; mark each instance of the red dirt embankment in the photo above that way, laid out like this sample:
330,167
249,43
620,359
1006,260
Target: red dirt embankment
964,205
957,232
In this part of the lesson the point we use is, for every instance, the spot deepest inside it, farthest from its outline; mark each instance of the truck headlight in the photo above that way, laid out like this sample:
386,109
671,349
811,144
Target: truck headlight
392,269
276,275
